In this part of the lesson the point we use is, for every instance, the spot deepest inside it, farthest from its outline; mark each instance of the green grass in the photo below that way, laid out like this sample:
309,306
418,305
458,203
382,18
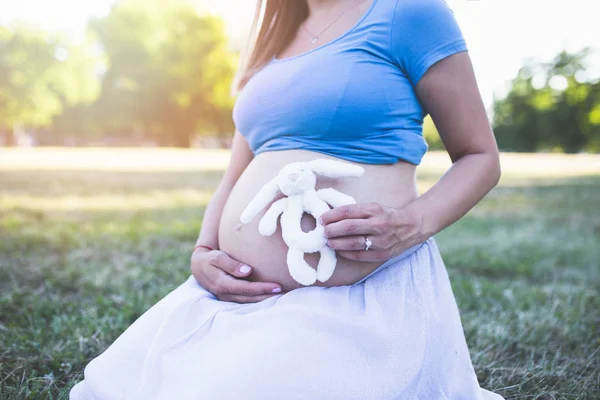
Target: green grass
85,249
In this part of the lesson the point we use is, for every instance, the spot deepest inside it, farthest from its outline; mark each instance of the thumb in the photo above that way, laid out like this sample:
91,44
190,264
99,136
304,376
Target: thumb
231,266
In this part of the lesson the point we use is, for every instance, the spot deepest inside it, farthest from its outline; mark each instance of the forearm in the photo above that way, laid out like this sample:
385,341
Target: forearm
209,232
468,180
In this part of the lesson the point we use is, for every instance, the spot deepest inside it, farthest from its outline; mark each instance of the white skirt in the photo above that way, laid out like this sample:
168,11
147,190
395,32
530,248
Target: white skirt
396,334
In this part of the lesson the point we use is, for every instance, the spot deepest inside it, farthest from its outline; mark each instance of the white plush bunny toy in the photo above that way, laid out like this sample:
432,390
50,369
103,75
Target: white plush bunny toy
297,181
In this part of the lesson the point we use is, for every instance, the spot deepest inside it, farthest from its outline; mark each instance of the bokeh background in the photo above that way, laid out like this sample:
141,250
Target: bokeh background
115,122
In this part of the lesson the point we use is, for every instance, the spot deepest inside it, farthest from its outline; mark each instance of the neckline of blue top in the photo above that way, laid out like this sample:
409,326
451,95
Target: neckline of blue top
352,29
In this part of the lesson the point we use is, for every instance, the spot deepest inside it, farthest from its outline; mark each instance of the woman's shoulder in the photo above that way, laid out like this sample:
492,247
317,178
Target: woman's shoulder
419,6
411,8
408,18
421,11
422,32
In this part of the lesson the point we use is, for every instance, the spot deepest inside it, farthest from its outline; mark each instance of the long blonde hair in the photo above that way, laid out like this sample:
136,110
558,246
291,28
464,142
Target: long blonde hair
274,26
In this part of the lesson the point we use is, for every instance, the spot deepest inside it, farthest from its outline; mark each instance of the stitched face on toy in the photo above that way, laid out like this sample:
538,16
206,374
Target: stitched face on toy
295,178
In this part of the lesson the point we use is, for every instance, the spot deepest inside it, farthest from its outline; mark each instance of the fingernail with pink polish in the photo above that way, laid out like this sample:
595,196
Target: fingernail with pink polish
321,220
276,290
244,269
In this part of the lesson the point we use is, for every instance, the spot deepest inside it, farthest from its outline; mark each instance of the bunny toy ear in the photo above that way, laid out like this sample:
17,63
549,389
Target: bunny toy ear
264,196
335,169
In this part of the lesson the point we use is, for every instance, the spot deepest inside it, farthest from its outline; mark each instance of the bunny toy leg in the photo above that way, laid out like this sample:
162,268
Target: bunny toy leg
326,264
299,268
334,197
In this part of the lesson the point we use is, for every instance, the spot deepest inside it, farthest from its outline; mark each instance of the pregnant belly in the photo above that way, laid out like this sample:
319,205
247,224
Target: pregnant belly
390,185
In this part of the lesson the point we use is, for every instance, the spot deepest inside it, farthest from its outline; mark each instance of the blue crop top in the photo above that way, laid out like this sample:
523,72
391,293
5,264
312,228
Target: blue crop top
353,98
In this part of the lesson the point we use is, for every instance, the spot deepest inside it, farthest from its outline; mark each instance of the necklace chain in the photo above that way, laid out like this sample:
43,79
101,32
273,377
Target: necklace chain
316,37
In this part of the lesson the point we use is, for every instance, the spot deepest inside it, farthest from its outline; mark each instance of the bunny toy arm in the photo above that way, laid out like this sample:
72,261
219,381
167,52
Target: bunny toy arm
264,196
268,223
335,198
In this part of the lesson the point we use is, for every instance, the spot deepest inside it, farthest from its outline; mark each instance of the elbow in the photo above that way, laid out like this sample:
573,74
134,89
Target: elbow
495,168
498,173
489,167
488,164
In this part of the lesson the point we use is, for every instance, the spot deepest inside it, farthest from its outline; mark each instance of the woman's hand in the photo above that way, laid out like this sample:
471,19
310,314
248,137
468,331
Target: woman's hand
391,231
223,276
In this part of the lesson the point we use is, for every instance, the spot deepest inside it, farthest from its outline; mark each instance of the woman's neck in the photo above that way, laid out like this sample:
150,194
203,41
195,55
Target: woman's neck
325,4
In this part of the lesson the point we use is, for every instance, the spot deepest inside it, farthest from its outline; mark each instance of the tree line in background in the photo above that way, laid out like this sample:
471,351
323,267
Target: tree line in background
163,75
143,74
551,106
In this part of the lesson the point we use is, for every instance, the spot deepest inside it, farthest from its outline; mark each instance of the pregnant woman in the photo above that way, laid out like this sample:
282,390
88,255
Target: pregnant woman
351,81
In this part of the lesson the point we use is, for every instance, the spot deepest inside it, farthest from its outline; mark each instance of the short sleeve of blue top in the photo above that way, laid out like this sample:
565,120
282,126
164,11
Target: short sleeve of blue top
353,98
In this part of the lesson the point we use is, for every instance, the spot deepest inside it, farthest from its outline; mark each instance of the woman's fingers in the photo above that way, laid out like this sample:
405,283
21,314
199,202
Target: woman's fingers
350,227
350,243
240,270
351,211
225,285
245,288
232,267
244,299
223,276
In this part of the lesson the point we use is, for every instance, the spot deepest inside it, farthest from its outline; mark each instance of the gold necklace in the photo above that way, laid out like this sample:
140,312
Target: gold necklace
315,38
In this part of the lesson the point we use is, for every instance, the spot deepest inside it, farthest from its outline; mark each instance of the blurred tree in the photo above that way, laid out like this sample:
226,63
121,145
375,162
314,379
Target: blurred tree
27,66
574,103
77,83
169,72
563,113
516,118
44,82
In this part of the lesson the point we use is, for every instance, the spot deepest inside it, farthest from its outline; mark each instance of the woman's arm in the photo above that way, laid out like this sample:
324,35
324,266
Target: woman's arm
449,92
214,270
241,155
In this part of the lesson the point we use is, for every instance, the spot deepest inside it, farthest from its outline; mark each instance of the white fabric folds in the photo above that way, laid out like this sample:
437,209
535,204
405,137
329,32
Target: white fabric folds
394,335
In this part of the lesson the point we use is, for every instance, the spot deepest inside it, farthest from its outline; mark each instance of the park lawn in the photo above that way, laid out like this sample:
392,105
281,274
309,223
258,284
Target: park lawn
91,238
